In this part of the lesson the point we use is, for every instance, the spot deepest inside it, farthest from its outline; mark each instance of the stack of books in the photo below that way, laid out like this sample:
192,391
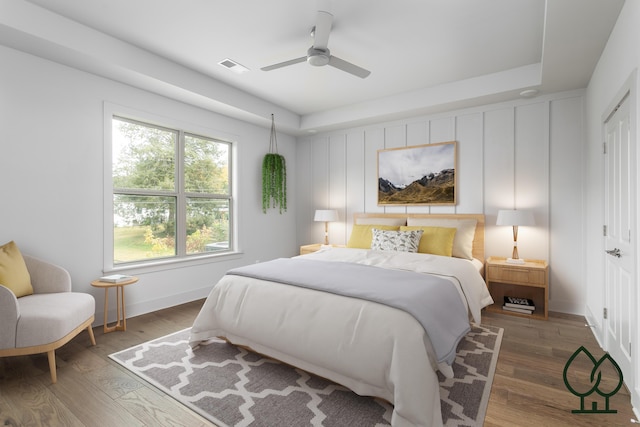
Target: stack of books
115,278
518,305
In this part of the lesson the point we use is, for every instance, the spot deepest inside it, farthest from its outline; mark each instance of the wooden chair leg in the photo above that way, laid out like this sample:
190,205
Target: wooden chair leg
51,355
91,336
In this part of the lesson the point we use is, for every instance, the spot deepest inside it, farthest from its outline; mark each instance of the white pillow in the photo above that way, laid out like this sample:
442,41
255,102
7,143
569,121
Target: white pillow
462,241
399,241
381,221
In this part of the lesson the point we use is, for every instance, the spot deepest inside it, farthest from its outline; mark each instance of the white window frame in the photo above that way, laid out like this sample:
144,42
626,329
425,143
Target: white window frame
111,111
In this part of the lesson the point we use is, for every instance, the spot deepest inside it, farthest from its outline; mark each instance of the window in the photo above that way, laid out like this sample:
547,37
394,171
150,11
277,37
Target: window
171,193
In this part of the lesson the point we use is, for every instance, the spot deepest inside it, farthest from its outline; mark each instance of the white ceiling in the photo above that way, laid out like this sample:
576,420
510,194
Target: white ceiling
424,55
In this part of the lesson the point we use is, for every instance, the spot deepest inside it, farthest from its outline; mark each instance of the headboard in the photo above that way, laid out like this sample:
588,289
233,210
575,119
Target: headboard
478,238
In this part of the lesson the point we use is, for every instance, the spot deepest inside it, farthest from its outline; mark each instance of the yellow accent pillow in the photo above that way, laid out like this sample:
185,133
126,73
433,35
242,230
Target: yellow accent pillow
435,240
13,271
361,234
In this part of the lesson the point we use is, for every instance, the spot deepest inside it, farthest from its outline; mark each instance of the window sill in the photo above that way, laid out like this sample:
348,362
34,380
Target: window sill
172,263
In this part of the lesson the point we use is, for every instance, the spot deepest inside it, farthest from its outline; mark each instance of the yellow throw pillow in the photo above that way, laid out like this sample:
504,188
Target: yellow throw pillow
361,234
435,240
13,271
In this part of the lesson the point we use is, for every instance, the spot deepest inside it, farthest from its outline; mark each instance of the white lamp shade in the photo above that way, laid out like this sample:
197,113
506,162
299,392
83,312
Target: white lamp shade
515,217
326,215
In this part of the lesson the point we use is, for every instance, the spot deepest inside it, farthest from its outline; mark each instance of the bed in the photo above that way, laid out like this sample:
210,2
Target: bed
374,347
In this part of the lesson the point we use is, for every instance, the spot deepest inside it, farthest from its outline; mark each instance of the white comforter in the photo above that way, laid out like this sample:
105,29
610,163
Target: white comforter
371,348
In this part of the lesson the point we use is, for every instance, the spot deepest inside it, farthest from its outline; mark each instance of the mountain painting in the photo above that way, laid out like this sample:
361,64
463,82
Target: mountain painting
418,175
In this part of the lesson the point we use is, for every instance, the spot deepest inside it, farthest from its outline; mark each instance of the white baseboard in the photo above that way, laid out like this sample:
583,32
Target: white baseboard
144,307
568,307
596,326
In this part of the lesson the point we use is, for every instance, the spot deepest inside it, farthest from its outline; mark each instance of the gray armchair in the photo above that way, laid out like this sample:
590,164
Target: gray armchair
46,320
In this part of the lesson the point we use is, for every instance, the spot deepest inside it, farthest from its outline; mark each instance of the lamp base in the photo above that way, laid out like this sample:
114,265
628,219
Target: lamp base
515,261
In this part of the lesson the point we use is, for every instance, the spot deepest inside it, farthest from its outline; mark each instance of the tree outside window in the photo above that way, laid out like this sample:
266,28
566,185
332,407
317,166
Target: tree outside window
171,192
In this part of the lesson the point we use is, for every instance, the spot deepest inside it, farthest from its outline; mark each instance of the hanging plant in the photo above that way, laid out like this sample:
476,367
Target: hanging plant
274,176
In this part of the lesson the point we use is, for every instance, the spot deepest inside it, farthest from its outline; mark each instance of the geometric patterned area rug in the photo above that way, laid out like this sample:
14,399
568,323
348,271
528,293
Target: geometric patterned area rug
231,386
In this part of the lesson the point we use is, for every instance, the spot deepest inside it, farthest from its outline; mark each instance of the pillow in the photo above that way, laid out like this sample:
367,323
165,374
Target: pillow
435,240
382,221
399,241
13,271
361,235
463,240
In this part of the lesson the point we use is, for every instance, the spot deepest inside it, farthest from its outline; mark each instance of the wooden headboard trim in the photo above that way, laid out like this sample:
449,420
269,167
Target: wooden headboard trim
478,239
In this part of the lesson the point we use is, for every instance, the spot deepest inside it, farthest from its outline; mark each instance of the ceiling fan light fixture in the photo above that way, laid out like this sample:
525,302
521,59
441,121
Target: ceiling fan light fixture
318,57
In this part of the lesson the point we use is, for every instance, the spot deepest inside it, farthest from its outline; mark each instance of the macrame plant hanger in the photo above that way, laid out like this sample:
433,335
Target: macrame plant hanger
274,175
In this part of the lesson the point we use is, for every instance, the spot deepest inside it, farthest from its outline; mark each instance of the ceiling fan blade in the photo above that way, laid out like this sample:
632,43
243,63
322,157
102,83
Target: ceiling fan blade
343,65
284,64
322,30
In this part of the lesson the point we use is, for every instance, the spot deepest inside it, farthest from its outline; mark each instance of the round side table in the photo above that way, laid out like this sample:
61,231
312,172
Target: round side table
121,323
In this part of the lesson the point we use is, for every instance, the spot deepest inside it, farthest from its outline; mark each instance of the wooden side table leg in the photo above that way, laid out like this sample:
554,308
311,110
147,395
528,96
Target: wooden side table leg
120,325
124,313
115,327
105,328
118,308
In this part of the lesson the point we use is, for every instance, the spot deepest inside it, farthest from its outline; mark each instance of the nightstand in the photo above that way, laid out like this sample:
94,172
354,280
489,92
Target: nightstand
309,249
529,280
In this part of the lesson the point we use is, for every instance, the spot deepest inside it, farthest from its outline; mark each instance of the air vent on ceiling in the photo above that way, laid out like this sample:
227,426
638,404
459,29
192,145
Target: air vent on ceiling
233,66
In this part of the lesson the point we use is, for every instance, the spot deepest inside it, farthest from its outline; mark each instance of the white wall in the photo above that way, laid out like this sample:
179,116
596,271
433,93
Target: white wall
614,72
525,154
51,169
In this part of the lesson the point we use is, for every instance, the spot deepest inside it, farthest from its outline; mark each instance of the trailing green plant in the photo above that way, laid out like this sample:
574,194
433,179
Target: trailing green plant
274,176
274,182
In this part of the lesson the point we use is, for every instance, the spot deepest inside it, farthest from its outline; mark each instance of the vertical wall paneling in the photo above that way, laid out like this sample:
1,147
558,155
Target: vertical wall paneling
442,129
320,174
395,137
355,179
525,154
304,192
470,172
498,178
565,219
373,141
417,133
337,186
531,188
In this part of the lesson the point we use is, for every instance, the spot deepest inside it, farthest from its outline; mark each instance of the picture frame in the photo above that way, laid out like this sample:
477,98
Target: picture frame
418,175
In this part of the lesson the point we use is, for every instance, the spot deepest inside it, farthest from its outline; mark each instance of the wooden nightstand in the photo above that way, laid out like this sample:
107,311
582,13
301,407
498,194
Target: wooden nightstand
308,249
529,280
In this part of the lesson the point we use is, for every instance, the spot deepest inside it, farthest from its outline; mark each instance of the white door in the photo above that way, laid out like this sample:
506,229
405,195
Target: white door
620,214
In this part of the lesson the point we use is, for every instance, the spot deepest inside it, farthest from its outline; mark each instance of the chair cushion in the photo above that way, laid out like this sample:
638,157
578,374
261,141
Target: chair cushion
13,271
45,318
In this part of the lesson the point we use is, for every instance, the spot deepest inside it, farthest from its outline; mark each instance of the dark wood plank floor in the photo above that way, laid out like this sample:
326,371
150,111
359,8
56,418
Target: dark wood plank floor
528,388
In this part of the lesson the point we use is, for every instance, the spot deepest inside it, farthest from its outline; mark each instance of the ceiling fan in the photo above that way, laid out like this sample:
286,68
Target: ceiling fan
319,54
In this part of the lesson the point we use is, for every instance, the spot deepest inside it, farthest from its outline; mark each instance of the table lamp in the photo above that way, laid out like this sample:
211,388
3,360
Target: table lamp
326,215
515,218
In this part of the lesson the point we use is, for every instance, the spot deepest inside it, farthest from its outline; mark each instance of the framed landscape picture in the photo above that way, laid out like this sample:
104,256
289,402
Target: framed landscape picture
418,175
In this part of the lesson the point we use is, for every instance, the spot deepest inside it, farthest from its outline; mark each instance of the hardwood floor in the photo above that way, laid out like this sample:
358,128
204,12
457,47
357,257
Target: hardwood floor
528,388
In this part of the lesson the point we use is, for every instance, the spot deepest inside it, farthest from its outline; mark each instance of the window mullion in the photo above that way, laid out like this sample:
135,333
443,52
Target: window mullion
181,224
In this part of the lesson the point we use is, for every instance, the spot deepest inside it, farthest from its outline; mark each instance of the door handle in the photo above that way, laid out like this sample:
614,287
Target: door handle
614,252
